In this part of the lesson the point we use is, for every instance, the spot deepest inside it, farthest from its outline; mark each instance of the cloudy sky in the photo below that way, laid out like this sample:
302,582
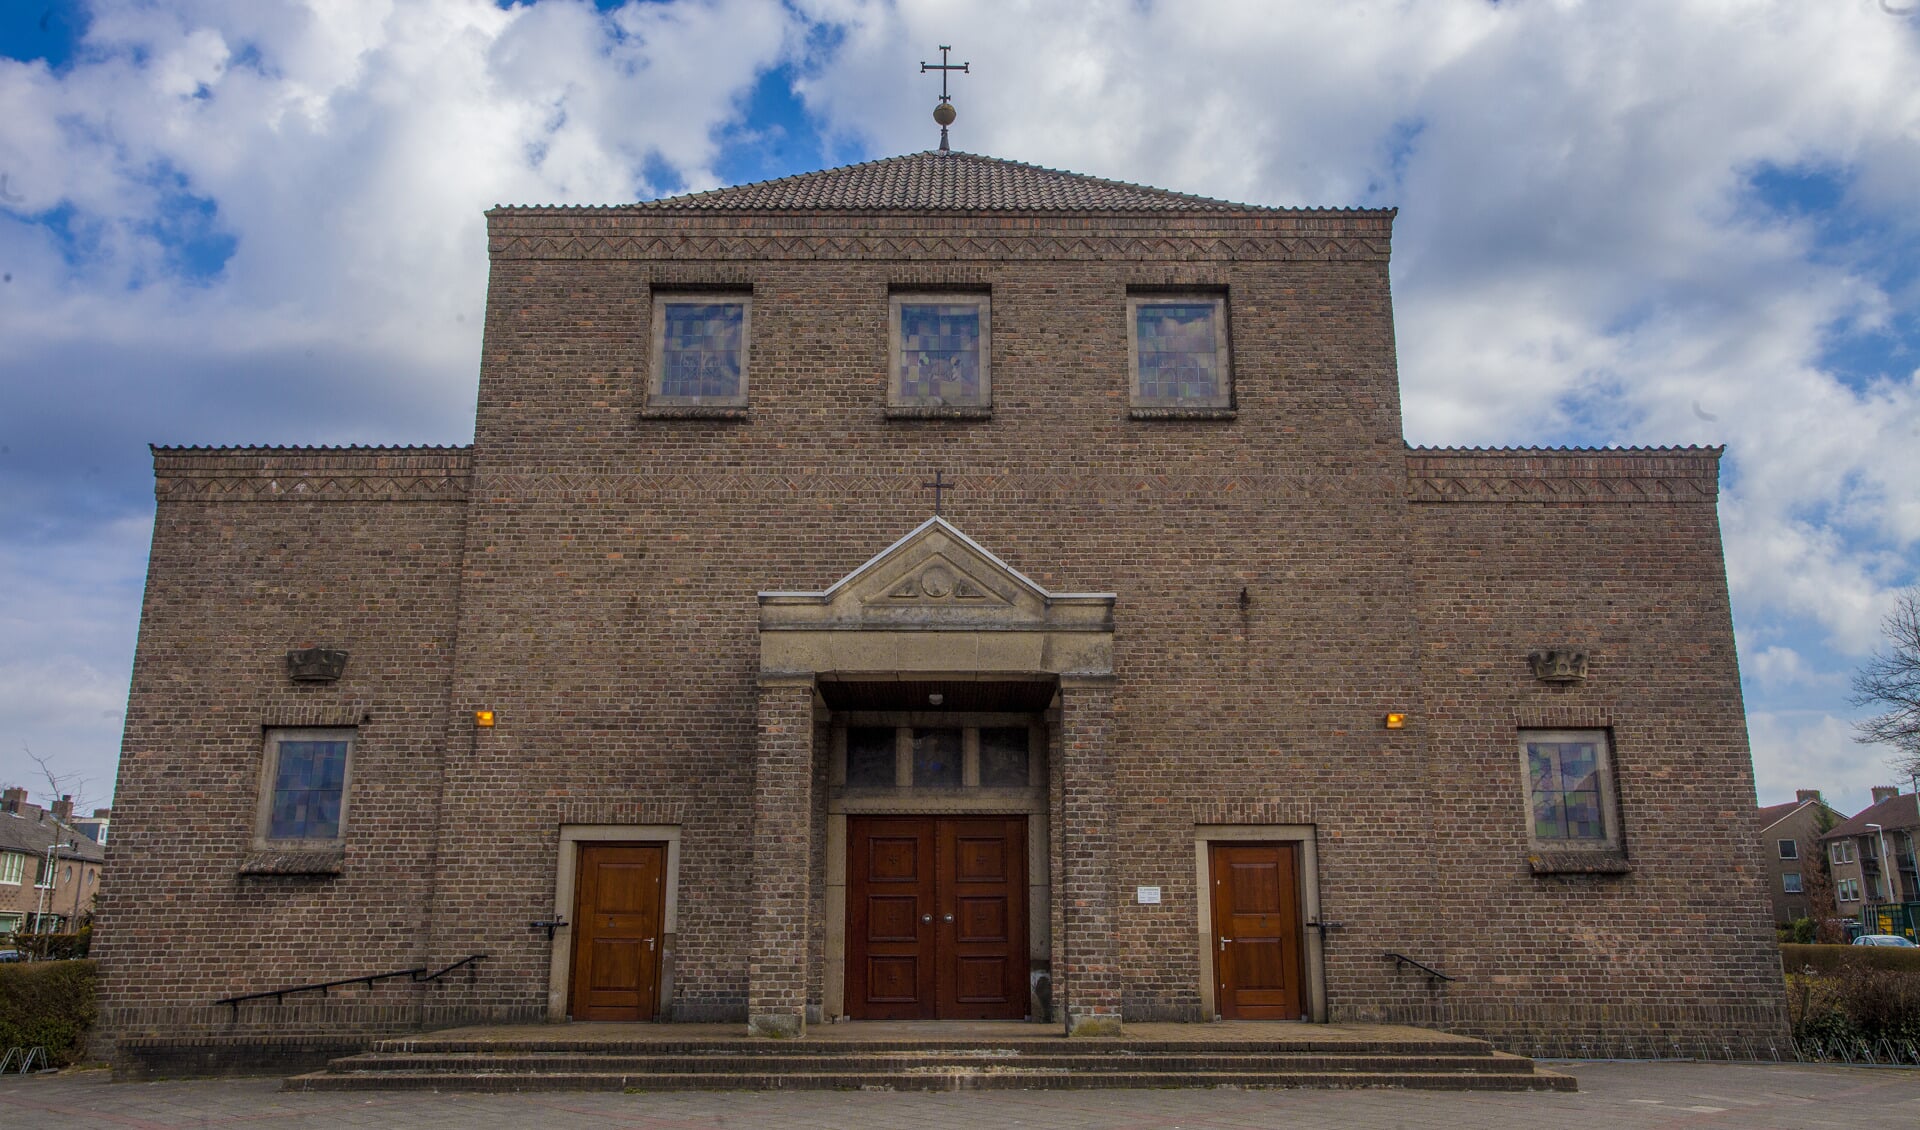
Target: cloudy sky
1669,221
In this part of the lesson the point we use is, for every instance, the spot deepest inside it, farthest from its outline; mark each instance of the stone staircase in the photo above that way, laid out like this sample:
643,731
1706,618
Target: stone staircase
1193,1056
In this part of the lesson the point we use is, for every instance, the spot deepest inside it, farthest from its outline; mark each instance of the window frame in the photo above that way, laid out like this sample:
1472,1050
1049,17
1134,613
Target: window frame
1223,402
13,868
656,367
1789,849
1609,842
263,840
897,405
1791,883
1847,890
1841,852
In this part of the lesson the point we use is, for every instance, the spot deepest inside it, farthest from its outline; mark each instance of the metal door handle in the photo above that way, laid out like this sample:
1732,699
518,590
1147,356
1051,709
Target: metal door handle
1223,944
947,918
926,918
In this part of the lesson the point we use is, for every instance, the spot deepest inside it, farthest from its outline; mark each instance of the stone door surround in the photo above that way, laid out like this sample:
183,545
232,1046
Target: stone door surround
934,603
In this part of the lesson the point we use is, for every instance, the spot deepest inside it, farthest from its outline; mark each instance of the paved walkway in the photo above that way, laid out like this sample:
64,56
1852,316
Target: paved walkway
1616,1096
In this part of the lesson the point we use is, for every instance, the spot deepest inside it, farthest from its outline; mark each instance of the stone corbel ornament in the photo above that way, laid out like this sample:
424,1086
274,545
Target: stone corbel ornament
316,665
1559,665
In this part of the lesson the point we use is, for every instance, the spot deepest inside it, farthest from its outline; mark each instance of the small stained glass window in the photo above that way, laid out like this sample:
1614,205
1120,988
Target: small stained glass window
309,788
1004,756
1566,786
940,351
937,758
700,350
870,756
1179,352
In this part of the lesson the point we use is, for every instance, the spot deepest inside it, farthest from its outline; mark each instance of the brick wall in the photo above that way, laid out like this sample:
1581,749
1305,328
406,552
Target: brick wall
1268,570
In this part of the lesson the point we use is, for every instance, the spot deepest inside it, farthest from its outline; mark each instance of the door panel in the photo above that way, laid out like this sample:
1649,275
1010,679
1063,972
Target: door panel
1256,931
890,929
983,903
619,894
936,918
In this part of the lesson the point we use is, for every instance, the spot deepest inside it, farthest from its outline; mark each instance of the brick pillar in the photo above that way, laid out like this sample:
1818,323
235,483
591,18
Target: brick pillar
1089,965
782,800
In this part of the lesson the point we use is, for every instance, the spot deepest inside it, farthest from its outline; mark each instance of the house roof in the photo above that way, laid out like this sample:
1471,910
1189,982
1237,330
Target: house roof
954,181
1898,812
31,830
1769,815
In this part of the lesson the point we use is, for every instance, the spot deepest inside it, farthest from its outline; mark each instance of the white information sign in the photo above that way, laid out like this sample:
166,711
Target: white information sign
1147,896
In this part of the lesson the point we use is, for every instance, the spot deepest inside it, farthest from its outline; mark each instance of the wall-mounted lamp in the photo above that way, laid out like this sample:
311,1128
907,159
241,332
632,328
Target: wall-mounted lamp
483,719
1396,721
936,698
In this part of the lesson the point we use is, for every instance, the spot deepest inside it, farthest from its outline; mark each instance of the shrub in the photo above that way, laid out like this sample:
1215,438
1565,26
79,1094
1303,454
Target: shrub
48,1004
1853,994
1827,959
55,947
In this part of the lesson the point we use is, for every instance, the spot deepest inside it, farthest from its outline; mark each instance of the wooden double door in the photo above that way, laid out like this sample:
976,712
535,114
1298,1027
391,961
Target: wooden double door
937,918
618,929
1257,960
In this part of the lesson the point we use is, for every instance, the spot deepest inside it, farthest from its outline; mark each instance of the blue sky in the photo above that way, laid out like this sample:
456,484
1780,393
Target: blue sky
1684,221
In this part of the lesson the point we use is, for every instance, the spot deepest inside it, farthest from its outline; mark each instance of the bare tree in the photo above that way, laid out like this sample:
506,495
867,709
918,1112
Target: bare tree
1891,678
59,784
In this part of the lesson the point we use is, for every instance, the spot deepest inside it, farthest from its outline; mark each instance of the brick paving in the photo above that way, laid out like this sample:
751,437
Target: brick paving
1621,1096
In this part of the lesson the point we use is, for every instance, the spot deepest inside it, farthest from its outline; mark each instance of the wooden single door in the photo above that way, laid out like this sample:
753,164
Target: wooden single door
619,895
981,892
936,918
1256,931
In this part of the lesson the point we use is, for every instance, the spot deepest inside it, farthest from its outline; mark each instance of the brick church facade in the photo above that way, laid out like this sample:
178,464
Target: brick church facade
1202,695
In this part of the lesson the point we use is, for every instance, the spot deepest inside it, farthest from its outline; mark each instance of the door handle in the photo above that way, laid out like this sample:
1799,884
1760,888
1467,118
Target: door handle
926,918
649,945
947,918
1223,944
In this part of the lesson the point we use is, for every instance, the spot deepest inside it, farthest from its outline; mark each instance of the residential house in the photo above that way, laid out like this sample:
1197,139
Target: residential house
1873,858
1789,836
49,872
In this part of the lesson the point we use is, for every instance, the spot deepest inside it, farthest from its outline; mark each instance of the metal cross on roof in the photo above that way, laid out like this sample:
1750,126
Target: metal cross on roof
938,485
944,112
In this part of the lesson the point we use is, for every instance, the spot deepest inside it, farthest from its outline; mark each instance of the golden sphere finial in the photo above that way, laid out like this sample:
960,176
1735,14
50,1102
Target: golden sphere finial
944,113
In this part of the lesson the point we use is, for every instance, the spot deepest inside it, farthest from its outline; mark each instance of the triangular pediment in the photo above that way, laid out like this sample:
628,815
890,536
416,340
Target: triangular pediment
935,578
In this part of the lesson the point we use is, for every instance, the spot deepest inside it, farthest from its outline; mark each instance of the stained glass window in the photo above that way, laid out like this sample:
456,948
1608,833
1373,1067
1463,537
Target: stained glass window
1003,756
309,784
1564,786
1179,352
870,756
938,758
940,347
703,351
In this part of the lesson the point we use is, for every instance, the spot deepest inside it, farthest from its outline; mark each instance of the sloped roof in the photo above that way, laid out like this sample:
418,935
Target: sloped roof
31,830
1894,813
1770,815
950,181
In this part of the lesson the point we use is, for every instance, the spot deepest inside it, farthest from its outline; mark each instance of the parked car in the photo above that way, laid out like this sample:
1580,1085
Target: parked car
1883,940
11,955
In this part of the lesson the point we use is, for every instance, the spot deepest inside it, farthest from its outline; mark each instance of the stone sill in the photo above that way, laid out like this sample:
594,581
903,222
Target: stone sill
1579,863
694,412
312,862
1146,413
939,412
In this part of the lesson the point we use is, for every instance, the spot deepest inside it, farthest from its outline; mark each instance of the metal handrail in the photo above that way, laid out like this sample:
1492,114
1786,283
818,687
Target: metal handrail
418,975
1427,969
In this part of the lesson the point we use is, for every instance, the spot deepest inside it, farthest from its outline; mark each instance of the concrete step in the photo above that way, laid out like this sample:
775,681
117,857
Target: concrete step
942,1078
524,1061
1440,1045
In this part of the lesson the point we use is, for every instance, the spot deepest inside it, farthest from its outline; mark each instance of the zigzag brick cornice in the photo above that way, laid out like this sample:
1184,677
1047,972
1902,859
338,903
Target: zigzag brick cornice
935,236
1564,475
982,488
345,474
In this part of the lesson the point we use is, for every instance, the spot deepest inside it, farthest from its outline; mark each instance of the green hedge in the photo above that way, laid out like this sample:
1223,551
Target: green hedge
47,1004
52,947
1826,959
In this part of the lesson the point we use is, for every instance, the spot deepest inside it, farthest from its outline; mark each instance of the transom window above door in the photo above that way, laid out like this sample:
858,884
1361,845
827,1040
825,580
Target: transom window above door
936,757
